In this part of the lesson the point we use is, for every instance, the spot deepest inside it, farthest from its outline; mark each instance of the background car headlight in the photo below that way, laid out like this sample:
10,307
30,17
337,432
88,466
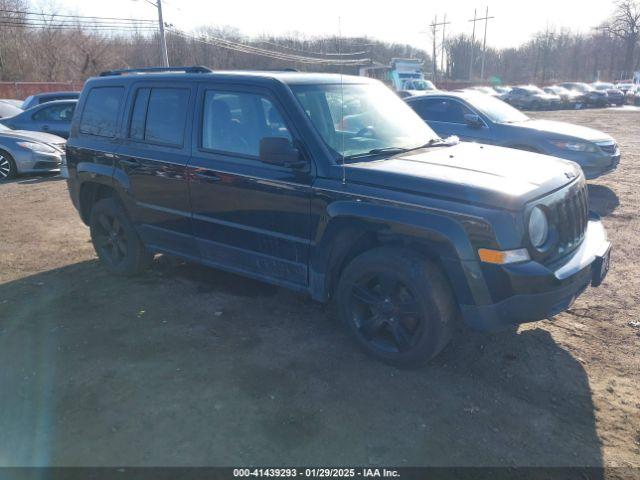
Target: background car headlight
37,147
538,227
575,146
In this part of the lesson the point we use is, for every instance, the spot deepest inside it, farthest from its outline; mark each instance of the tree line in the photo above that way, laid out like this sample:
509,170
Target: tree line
48,48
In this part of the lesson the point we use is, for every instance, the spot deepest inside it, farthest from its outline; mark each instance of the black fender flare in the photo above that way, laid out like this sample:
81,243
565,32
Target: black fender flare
347,221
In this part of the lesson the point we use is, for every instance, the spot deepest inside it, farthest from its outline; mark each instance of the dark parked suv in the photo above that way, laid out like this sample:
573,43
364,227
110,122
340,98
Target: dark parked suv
331,185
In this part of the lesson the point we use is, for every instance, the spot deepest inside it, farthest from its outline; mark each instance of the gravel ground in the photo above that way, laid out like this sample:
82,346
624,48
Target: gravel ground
190,366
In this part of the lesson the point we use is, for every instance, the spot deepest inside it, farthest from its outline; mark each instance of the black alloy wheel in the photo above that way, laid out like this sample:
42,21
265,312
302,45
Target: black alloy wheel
397,305
386,313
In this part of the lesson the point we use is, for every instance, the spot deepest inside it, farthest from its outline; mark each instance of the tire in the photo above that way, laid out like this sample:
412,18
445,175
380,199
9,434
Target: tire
8,168
397,306
115,240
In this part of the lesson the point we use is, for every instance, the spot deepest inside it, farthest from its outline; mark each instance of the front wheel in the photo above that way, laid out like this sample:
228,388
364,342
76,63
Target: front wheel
115,240
8,169
397,305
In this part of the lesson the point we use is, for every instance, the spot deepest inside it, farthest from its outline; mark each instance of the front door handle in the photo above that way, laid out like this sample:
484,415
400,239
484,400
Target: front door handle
208,176
45,128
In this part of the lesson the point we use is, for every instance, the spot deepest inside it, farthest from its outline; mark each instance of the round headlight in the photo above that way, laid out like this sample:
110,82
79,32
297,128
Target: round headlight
538,227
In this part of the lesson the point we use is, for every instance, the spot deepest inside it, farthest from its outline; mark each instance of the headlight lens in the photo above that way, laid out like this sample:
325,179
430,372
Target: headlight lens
37,147
575,146
538,227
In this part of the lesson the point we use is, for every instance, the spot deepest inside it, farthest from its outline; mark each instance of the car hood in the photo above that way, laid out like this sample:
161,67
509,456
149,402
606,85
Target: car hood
469,172
33,136
552,127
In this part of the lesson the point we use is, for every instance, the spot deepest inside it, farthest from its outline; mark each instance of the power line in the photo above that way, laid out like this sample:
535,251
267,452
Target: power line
338,54
82,17
248,49
74,27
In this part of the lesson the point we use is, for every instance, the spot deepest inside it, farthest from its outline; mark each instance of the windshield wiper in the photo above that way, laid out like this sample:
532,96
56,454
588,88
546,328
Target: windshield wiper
377,151
435,142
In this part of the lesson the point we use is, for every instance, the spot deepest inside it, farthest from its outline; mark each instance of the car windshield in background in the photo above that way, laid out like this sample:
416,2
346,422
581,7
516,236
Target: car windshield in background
581,87
531,89
497,110
603,86
356,120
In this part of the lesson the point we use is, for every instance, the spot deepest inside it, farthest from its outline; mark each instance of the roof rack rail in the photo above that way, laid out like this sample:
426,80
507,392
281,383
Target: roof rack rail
126,71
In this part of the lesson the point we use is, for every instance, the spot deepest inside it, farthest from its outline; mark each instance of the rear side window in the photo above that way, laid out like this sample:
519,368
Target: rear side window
100,115
159,115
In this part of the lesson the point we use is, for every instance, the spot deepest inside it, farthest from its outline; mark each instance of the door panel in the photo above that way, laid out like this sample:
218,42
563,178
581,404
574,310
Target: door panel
153,164
247,215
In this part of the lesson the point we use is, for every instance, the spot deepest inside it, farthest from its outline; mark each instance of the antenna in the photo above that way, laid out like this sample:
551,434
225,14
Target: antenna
344,173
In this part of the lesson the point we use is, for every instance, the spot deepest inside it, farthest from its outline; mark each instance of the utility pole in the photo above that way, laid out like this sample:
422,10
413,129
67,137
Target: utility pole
444,26
473,43
434,34
163,38
434,28
484,42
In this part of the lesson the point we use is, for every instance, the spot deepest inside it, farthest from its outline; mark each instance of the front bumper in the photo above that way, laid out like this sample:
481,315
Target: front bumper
594,164
538,291
29,161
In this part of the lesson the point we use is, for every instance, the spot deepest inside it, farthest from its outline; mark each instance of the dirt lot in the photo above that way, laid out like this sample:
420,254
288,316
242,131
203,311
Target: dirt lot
190,366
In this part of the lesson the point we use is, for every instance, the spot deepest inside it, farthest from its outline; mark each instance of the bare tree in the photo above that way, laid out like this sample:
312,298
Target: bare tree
625,24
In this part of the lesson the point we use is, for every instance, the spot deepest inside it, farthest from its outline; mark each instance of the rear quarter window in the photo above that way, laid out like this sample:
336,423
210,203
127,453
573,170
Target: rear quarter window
159,115
100,114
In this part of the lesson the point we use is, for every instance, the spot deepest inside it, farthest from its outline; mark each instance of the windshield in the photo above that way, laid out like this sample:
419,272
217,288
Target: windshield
603,86
580,87
419,85
497,110
531,89
354,119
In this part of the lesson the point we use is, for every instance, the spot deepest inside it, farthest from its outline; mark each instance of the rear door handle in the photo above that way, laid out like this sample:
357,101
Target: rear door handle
45,127
208,176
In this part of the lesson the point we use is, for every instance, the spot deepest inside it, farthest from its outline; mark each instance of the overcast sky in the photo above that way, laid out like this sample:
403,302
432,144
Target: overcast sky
401,21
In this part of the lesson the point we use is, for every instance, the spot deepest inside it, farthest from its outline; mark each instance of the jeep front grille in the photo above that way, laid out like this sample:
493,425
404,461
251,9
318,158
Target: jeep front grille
569,217
568,211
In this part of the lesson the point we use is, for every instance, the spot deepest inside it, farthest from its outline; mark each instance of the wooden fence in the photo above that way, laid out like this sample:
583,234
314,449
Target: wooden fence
21,90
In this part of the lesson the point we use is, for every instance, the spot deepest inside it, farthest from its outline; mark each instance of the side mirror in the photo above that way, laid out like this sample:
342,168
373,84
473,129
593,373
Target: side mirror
473,121
280,151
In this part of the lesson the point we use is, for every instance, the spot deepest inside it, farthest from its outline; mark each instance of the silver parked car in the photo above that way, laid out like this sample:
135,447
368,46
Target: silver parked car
23,151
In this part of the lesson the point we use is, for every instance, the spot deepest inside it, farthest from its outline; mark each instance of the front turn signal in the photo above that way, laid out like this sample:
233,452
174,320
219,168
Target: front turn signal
501,257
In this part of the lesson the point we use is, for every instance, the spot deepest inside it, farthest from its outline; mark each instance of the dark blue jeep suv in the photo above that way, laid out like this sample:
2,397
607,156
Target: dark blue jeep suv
333,186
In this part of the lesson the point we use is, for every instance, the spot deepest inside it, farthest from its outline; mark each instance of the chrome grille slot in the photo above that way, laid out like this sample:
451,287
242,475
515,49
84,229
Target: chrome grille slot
568,211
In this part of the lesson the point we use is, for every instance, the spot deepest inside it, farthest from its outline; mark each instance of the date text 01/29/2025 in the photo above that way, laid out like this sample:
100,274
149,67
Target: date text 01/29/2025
316,472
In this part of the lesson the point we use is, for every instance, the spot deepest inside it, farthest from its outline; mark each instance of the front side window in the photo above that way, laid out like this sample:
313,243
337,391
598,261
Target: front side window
442,110
55,113
356,119
236,122
100,115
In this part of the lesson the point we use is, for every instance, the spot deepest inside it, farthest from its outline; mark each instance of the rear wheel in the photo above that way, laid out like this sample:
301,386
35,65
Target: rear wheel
397,305
8,169
115,240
